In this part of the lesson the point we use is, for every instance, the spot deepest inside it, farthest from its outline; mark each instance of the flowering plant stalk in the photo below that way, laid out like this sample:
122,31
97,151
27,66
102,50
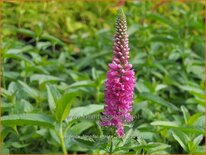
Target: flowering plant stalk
120,81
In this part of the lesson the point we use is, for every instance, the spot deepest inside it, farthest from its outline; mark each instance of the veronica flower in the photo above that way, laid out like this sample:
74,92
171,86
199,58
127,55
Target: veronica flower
120,81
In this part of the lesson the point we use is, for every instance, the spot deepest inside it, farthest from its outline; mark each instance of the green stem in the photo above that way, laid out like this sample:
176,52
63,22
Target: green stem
100,131
97,95
61,136
111,144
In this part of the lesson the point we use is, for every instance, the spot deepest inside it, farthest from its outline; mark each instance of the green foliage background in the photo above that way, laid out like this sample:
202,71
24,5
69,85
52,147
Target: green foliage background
55,59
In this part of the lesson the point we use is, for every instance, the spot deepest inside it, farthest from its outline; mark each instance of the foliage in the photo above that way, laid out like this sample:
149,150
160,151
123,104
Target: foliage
55,58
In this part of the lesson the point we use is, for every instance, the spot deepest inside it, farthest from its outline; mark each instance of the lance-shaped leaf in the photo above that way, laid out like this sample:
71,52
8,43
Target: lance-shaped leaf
27,119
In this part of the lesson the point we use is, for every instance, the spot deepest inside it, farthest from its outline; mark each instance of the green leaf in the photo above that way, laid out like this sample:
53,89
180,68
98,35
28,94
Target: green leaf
4,151
141,87
44,78
160,18
181,138
164,39
6,106
87,60
18,56
19,145
84,142
192,89
43,45
132,29
159,87
185,114
79,112
11,75
64,105
158,100
164,124
196,92
5,132
81,83
54,136
27,106
80,127
197,140
199,150
6,93
148,146
198,70
53,96
53,39
192,129
158,149
194,118
30,91
25,32
27,119
20,50
174,125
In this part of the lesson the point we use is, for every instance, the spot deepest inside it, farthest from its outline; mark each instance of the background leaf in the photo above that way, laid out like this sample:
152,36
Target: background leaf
27,119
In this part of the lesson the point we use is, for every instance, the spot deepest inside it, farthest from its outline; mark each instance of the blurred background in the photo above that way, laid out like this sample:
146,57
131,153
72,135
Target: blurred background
66,46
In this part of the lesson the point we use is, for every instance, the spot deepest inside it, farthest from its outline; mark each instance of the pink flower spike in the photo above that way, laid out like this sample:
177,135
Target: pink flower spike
120,83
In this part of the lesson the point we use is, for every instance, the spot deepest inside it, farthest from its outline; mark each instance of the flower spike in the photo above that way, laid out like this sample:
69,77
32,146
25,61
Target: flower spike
120,81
